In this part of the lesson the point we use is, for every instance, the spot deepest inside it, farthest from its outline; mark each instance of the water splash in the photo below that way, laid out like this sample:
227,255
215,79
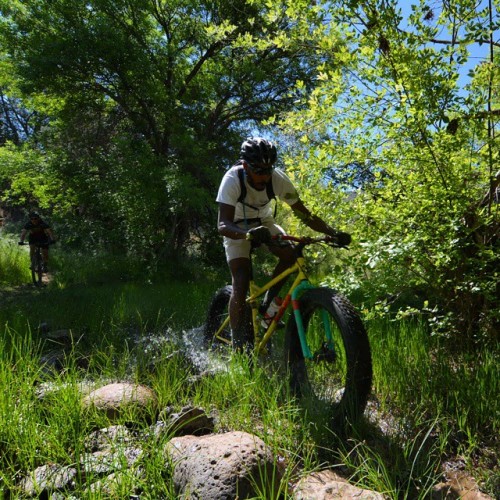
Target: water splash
190,343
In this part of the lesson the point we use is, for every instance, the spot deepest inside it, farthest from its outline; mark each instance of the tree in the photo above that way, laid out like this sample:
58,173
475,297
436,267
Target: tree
396,110
155,96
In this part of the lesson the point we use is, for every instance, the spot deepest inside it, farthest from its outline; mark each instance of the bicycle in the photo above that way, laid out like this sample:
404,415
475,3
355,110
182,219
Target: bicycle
327,352
37,265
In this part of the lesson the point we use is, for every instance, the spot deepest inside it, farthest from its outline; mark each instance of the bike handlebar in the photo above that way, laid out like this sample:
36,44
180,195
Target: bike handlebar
308,240
50,242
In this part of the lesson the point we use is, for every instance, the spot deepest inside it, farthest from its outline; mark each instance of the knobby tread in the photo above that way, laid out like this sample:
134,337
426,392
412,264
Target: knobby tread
217,312
355,344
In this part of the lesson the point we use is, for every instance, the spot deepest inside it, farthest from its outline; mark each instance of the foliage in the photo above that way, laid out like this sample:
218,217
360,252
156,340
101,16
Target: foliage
397,133
152,100
13,264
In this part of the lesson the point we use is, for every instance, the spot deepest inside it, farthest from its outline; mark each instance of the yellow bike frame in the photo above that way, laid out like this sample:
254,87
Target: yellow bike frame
301,281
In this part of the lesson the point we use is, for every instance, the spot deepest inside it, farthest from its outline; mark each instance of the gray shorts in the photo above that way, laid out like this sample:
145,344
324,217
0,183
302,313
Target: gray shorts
236,249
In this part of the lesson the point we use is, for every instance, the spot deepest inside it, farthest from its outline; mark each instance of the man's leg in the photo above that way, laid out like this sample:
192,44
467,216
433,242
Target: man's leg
286,256
240,272
45,255
32,254
45,258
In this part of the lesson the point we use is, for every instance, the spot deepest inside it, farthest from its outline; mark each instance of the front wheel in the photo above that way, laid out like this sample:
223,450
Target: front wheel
336,380
37,269
218,313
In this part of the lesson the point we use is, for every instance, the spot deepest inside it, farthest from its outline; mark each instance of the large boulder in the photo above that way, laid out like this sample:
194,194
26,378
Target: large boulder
223,466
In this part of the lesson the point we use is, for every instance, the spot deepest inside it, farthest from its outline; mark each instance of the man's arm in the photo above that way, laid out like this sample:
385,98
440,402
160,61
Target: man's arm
50,234
310,220
225,223
23,235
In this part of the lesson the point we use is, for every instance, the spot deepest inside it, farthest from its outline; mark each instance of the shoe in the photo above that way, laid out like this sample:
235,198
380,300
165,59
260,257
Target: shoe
271,312
266,321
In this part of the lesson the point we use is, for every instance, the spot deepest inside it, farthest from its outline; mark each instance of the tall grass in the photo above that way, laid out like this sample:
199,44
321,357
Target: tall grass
14,263
434,404
104,297
419,377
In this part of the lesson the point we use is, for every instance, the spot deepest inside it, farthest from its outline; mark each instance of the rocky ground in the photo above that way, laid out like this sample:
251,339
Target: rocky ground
202,464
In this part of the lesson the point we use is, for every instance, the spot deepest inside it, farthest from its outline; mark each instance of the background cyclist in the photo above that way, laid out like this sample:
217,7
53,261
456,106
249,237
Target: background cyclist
39,233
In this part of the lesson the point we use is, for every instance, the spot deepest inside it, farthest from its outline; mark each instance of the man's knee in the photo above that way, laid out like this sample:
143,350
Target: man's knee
287,256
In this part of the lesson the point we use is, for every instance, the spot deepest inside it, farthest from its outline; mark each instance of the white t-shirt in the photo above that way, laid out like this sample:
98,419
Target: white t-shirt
230,190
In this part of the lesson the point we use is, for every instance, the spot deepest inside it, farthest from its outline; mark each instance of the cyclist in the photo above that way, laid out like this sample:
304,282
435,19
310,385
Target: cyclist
246,219
40,233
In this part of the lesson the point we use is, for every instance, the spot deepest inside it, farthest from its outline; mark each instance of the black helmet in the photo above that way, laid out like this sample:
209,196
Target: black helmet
33,215
258,150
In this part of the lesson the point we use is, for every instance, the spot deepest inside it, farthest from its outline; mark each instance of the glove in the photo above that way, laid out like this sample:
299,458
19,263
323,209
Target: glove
341,239
259,235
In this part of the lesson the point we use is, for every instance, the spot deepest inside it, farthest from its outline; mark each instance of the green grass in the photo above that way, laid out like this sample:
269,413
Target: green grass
103,296
14,263
437,404
421,377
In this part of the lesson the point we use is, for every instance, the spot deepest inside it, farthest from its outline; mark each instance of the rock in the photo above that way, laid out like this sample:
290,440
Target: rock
113,485
62,336
326,485
53,361
114,399
51,477
106,462
189,420
222,466
459,485
108,438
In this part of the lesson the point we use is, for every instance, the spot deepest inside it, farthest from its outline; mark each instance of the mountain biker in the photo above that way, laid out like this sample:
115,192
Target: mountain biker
40,234
250,222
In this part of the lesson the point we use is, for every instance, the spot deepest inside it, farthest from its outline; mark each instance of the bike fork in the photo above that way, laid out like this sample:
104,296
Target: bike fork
328,344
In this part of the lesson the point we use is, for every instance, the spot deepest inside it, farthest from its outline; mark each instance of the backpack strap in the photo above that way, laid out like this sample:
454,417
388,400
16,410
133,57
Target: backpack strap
243,187
243,193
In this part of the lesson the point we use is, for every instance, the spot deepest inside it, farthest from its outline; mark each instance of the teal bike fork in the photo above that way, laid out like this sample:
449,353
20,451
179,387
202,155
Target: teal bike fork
303,286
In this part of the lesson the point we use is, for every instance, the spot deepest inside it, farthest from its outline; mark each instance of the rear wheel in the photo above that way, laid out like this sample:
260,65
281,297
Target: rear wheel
336,382
218,312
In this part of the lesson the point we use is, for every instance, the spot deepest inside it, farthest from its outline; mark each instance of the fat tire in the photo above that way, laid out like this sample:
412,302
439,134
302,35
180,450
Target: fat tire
355,347
217,313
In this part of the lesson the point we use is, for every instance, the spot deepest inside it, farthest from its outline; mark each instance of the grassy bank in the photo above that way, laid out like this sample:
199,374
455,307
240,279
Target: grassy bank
430,404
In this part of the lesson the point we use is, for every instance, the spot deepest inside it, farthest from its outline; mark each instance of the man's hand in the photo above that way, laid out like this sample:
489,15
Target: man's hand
341,239
259,235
